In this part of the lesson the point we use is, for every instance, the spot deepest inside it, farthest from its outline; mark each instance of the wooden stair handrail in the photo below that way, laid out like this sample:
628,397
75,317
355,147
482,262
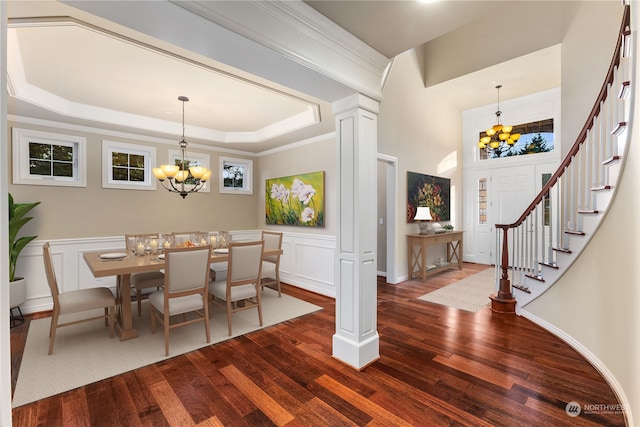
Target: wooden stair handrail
624,32
503,301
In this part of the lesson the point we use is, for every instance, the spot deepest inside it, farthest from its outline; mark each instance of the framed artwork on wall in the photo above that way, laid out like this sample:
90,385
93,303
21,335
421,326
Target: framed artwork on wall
295,200
431,191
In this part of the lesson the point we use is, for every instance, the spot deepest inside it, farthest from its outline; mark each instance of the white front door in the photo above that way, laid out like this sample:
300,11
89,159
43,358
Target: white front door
501,195
513,190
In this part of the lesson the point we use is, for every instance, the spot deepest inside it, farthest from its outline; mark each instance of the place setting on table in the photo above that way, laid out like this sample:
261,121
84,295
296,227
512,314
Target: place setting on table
155,244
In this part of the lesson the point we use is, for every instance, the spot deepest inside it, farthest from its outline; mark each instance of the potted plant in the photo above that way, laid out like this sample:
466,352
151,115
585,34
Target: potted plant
17,219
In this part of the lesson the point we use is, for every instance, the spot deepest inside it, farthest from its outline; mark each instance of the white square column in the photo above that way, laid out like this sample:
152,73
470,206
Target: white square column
356,341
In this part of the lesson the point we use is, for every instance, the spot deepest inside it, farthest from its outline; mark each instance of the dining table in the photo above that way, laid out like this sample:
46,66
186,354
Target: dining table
122,264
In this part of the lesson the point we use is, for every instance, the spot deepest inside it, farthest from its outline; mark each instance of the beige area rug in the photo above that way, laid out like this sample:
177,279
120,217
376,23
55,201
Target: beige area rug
84,353
470,294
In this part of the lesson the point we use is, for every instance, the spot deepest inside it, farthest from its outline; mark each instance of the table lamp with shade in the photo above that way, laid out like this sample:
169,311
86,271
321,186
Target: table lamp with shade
423,216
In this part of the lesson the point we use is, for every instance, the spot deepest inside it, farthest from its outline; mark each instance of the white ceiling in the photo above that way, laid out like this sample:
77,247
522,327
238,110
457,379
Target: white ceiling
394,26
75,71
103,77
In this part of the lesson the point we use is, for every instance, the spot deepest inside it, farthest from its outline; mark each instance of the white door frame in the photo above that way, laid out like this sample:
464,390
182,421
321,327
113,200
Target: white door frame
391,164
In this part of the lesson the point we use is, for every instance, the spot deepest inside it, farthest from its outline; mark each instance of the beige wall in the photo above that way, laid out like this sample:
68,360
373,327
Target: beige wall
411,124
93,211
313,157
586,56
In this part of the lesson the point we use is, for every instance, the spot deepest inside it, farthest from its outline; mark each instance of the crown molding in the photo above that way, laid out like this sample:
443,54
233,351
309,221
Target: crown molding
301,34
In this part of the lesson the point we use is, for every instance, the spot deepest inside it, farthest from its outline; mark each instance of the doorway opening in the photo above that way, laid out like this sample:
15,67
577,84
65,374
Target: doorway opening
388,217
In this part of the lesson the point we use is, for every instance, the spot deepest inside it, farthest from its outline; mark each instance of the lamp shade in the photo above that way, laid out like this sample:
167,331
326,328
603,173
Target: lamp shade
423,213
197,171
159,174
182,175
169,170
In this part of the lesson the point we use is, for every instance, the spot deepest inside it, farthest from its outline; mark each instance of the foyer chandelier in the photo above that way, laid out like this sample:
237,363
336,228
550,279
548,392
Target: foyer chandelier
498,135
181,178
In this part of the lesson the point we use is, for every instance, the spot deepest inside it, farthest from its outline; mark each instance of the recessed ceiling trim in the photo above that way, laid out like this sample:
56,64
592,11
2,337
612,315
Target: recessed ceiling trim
118,134
299,121
155,140
20,88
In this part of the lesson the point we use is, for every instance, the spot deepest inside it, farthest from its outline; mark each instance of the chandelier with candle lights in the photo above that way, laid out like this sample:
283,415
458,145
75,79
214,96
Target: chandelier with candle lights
180,178
499,136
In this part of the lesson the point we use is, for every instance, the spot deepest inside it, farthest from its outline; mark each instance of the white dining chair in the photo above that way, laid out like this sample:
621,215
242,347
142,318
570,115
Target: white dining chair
76,301
185,291
240,291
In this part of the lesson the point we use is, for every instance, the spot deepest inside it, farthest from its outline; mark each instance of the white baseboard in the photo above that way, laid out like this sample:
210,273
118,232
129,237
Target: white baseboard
587,354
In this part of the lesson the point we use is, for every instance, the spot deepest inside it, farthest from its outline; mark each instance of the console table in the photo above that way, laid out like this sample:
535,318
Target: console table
418,244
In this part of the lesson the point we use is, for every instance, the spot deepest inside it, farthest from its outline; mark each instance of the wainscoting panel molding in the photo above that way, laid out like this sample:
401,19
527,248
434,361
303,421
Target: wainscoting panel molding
308,262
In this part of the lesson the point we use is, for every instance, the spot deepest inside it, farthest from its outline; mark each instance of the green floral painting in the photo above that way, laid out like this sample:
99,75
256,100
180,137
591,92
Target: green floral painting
431,191
295,200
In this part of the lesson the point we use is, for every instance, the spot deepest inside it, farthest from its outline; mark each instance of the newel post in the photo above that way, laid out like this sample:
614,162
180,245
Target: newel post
503,301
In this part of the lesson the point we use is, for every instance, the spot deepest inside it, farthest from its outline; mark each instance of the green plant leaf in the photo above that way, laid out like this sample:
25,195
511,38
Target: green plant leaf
17,220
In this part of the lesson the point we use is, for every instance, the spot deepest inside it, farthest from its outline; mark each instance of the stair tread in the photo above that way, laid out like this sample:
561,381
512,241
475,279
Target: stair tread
522,288
619,128
537,277
611,160
550,265
566,251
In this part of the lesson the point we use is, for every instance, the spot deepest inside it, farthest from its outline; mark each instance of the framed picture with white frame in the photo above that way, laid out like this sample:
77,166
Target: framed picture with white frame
236,176
193,159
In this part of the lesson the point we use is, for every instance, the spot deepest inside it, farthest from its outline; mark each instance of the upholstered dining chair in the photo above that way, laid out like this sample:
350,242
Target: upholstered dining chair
76,301
180,237
186,281
271,263
145,279
240,291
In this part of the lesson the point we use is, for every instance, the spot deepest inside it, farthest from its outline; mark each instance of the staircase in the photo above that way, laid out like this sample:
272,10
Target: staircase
533,252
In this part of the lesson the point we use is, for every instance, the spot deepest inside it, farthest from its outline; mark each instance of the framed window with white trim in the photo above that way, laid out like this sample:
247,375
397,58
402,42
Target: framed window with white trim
127,166
45,158
193,159
236,176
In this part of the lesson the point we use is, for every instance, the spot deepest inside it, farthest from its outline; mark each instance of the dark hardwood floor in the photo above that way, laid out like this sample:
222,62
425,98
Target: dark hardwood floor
438,366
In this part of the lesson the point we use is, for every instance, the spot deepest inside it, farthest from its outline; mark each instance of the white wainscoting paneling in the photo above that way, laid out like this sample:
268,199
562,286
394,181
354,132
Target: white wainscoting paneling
308,262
